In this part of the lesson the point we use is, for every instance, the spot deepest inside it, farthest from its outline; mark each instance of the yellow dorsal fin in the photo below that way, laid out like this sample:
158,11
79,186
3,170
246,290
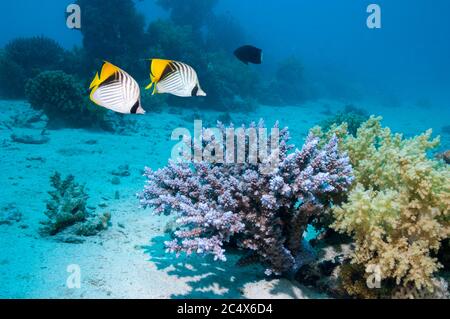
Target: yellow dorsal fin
157,68
108,69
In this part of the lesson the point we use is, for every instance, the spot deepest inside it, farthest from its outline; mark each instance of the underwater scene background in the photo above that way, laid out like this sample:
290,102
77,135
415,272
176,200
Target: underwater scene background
358,205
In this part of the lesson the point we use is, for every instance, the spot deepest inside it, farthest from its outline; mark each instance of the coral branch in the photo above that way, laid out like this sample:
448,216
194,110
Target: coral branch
263,211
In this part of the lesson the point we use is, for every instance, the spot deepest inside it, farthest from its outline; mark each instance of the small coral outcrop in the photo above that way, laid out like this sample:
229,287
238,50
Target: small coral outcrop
263,211
67,210
62,99
353,118
398,212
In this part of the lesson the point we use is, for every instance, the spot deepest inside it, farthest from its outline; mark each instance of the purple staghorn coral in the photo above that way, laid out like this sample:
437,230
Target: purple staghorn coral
263,211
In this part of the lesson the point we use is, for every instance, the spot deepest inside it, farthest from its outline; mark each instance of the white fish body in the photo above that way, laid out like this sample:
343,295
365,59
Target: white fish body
116,90
176,78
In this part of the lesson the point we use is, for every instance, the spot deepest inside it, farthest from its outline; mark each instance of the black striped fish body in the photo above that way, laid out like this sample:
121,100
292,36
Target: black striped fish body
116,90
175,78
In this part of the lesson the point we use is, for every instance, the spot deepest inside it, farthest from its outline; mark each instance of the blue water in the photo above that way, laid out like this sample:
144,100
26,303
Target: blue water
400,72
407,57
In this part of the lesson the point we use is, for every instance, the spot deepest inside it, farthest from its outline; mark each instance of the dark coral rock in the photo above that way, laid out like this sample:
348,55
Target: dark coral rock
12,78
29,119
445,156
115,180
35,54
353,117
30,139
323,273
10,215
444,254
122,171
93,225
63,100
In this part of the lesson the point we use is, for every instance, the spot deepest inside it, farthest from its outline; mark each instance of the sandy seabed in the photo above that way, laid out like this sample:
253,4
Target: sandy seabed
128,260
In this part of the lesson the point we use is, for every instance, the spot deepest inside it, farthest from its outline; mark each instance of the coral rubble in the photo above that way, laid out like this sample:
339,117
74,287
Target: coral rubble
263,212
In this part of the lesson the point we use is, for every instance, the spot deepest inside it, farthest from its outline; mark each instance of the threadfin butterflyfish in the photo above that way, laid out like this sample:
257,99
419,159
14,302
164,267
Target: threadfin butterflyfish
249,54
116,90
175,78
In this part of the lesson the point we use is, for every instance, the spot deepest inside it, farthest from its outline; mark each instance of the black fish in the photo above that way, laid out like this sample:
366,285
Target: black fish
249,53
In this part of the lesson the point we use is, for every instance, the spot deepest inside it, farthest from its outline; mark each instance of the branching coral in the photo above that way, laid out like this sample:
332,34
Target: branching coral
67,205
264,211
398,212
66,209
62,98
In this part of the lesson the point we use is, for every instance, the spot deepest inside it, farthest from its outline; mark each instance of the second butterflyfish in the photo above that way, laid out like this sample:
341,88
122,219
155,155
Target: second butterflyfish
175,78
116,90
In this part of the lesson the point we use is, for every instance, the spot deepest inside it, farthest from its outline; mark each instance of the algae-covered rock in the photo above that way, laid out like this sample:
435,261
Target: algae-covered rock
67,210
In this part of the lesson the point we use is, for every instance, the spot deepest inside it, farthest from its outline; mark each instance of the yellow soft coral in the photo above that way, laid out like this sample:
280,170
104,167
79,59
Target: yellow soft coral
398,211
